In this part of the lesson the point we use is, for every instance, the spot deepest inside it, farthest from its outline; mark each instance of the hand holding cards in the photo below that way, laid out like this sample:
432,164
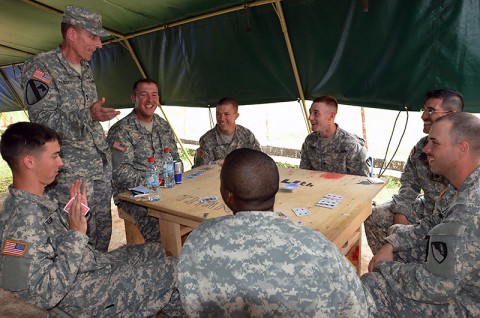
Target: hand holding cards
67,207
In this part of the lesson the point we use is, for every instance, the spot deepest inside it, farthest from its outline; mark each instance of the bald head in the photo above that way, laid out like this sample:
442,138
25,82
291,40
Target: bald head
249,180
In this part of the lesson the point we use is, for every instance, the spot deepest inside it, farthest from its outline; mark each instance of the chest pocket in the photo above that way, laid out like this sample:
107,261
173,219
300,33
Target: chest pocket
445,245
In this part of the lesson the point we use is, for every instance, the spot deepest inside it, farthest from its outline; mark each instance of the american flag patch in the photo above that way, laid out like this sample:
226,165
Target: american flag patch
14,248
42,76
119,146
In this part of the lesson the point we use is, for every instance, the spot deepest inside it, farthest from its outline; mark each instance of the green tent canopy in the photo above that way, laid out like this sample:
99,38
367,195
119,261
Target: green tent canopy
375,53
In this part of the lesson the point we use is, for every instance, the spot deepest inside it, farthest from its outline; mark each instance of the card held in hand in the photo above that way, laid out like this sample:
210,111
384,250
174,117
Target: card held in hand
67,207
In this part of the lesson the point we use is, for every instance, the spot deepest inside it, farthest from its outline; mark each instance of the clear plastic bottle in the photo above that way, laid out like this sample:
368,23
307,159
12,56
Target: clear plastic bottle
168,169
153,176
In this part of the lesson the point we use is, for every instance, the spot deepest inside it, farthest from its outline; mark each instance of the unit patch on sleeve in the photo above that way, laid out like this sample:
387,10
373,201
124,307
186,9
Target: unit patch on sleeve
35,90
119,146
14,248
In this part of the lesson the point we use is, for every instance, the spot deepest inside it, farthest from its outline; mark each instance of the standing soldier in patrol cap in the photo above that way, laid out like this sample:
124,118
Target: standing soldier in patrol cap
60,93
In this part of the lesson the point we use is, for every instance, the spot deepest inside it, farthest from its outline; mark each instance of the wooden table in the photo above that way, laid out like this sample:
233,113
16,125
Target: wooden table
179,209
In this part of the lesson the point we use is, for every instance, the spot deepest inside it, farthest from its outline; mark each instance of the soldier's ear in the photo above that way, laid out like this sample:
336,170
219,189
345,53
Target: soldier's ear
28,161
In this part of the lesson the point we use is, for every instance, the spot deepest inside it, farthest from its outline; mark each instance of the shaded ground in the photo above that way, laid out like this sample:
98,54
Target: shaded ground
13,307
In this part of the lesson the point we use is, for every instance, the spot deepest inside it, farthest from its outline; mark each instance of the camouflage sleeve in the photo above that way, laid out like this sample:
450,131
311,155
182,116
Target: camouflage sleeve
443,275
48,109
357,161
304,159
410,188
124,173
203,154
43,272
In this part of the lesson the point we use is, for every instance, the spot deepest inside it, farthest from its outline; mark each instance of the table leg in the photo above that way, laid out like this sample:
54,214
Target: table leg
171,237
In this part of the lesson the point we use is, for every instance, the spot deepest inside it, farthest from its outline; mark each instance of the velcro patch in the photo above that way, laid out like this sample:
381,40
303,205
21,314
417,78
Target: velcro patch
14,248
119,146
200,153
35,91
42,76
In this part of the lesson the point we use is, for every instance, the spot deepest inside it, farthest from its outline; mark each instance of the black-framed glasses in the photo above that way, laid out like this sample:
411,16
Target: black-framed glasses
431,111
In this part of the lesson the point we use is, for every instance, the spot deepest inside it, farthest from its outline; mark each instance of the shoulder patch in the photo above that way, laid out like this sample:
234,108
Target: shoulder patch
42,76
119,146
35,91
14,248
200,153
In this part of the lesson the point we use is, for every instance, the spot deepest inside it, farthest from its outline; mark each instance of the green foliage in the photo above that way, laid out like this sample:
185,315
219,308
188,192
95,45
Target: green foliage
286,165
5,176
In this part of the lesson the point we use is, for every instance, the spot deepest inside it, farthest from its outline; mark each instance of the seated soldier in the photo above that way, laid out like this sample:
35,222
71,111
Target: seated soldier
329,148
46,259
136,137
254,264
226,136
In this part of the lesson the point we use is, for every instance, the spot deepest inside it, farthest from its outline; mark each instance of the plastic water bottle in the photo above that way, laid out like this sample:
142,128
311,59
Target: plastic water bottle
153,176
168,169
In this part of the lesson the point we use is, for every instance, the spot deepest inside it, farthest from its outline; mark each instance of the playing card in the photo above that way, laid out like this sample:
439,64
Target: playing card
281,214
70,203
301,211
335,197
290,187
326,203
208,198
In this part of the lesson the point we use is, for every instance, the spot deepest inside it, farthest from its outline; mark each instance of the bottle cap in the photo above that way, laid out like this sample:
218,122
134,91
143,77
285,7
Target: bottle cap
151,159
166,150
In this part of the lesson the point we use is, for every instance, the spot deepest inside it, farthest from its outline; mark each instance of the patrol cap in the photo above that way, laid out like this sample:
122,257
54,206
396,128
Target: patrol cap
84,18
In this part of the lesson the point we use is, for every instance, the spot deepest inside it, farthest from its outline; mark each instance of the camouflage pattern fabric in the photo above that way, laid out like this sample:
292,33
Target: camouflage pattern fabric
214,147
254,264
131,145
444,281
415,199
345,154
60,98
59,268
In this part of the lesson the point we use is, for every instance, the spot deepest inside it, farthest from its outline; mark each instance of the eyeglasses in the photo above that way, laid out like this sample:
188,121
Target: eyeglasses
431,111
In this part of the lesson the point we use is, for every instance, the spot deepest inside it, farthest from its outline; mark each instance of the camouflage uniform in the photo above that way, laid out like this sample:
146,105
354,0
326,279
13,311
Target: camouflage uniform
254,264
409,201
130,160
214,147
443,281
60,98
346,154
59,268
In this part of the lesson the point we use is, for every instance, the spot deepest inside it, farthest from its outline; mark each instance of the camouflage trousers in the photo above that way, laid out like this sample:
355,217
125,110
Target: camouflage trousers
148,225
99,218
378,223
142,283
391,303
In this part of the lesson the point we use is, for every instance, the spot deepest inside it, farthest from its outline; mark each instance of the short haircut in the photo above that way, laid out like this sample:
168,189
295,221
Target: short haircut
451,99
229,100
141,81
252,176
25,138
329,100
64,28
465,126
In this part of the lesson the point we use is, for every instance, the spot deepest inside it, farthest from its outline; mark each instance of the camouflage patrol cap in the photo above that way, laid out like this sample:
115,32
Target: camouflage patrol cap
84,18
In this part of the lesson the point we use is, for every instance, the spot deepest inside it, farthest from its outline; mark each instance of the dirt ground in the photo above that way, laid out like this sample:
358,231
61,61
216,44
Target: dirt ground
13,307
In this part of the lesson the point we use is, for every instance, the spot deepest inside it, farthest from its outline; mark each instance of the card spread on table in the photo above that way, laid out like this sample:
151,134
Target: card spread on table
330,200
208,198
70,203
301,211
194,174
375,180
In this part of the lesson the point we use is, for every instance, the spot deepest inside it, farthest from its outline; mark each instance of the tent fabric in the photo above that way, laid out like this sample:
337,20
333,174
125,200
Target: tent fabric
382,54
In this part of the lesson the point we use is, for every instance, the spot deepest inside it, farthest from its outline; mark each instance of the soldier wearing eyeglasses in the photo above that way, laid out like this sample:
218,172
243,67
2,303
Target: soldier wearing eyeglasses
419,186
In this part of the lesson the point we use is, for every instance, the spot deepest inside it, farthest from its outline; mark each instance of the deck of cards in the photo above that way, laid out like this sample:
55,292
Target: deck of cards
194,174
209,198
290,187
330,200
67,207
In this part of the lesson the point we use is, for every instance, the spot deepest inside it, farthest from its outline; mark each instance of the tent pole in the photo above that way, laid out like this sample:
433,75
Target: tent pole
281,17
14,93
